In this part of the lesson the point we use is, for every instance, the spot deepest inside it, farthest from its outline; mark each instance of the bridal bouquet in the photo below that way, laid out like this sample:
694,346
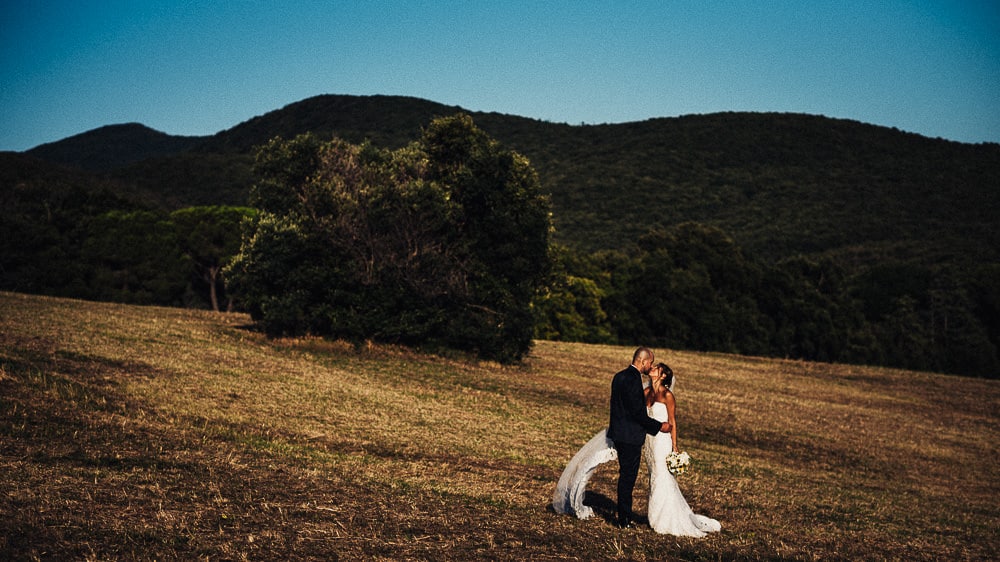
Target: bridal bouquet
677,463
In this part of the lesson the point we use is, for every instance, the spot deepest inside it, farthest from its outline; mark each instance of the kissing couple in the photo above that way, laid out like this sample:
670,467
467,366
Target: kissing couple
642,423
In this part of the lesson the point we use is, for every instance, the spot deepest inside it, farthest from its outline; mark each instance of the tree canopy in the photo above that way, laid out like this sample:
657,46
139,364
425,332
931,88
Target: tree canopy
441,243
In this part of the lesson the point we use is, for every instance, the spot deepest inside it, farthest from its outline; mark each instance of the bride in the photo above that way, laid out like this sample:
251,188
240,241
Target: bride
668,511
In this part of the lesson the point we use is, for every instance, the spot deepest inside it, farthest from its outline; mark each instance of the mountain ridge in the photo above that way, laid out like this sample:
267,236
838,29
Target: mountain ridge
48,149
780,183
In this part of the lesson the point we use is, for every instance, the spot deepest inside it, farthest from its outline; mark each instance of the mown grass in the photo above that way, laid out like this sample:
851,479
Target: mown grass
153,433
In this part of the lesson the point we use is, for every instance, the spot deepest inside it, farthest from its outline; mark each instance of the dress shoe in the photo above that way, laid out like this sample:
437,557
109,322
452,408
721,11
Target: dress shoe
624,524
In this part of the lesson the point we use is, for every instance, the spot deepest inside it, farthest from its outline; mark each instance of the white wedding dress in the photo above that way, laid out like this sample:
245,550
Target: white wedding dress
669,512
572,486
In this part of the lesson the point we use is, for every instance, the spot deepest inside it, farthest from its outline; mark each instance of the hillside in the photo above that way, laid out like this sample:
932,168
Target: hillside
780,184
138,433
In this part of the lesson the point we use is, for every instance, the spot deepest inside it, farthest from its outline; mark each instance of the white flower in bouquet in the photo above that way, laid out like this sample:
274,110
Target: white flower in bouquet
677,463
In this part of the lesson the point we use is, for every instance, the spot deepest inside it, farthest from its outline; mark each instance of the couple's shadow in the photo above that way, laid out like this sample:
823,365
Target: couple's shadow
605,508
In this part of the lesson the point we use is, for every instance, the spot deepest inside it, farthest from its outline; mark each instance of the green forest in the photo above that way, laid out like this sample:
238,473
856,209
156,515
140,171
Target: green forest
765,234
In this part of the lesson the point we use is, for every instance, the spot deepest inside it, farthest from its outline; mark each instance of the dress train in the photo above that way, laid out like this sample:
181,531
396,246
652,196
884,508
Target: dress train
572,486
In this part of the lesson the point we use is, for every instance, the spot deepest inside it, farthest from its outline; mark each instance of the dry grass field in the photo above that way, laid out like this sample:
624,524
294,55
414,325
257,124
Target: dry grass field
154,433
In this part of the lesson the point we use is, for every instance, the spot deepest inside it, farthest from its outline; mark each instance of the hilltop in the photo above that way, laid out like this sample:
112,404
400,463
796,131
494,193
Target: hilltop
112,146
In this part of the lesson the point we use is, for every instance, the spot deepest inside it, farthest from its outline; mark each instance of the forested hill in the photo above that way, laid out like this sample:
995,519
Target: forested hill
779,184
113,146
759,233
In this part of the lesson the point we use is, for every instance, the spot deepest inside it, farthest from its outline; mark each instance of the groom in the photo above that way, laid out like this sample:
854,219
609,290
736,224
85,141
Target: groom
628,427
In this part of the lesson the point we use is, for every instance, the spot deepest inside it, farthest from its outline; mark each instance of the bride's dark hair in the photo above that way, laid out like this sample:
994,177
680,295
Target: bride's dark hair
668,374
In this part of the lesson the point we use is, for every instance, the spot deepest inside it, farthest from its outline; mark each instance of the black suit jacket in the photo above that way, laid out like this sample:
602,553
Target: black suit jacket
629,421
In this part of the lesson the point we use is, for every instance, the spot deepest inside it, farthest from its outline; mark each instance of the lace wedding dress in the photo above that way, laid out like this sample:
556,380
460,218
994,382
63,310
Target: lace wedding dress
669,512
572,486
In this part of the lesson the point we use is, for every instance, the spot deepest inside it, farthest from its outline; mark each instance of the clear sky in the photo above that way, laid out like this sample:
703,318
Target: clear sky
198,67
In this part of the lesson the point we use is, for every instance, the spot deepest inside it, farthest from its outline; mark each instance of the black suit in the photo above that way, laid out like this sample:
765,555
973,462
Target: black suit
627,428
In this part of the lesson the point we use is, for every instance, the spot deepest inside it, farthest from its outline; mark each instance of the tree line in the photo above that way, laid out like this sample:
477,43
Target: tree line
690,286
85,243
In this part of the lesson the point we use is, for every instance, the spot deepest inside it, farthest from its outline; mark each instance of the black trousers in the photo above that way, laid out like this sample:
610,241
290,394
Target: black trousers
629,457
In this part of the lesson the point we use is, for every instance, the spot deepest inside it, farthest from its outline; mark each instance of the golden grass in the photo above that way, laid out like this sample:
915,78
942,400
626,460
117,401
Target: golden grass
140,433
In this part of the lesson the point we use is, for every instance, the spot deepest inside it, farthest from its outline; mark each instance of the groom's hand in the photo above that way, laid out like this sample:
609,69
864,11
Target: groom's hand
665,427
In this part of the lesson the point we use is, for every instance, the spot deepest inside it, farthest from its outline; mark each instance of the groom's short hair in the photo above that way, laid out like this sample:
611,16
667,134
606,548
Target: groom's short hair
641,352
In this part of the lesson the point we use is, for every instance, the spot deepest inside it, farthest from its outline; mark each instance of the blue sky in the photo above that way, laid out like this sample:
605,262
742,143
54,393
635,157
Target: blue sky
199,67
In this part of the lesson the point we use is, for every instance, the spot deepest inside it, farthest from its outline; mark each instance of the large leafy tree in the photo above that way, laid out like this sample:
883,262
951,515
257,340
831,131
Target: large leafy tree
440,243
